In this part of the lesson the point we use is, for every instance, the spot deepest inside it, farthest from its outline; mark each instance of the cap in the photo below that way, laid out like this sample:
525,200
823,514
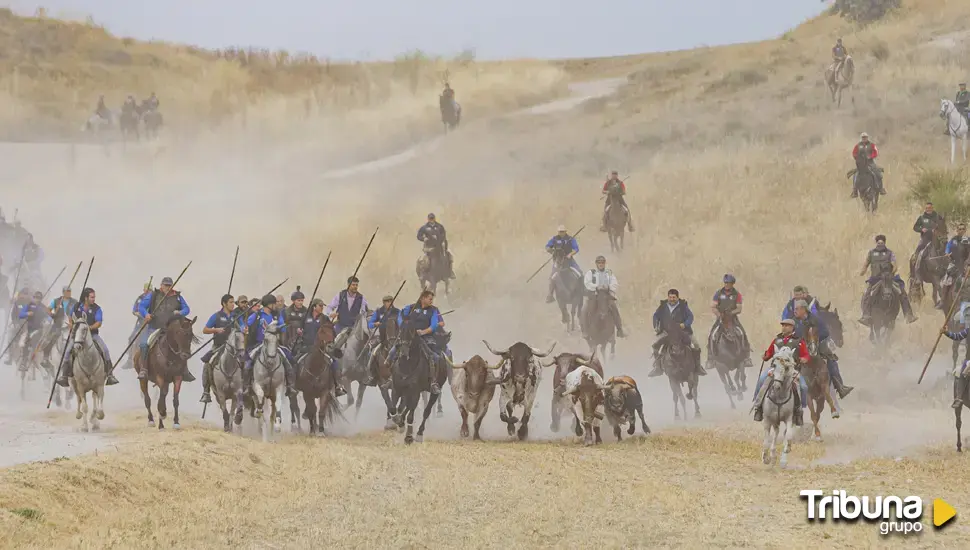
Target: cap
863,135
167,281
242,298
728,278
600,259
788,322
561,228
66,289
316,302
431,216
801,303
800,288
388,298
351,280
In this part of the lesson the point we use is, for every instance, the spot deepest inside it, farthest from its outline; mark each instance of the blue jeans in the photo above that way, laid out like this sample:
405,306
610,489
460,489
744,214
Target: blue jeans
802,387
833,368
143,340
896,279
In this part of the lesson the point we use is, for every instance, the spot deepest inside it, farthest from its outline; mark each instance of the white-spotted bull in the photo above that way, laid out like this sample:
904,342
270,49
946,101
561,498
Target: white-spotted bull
585,387
566,363
519,380
473,389
623,404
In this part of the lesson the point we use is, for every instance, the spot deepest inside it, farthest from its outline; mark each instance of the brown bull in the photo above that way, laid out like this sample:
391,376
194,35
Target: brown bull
473,390
585,388
623,404
565,364
520,378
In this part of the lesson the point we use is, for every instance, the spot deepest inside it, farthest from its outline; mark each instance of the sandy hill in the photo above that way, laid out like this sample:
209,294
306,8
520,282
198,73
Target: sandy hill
737,162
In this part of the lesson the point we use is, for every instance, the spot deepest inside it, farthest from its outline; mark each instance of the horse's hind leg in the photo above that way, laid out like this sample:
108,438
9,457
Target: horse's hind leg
411,404
427,413
226,419
728,386
766,445
295,416
697,407
148,400
311,413
786,443
360,398
959,422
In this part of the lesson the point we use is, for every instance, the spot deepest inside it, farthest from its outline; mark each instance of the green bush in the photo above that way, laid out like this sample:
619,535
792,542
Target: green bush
864,11
948,190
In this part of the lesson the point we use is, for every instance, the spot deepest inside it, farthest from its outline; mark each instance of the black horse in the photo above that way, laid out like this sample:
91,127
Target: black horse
865,179
568,286
411,376
450,112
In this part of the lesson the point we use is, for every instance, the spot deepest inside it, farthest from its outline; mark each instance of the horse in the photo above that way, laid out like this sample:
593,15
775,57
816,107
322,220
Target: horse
165,360
617,219
830,317
725,355
816,374
956,127
599,327
412,375
53,344
268,378
677,360
380,362
27,362
227,382
89,375
353,365
866,181
432,268
450,112
779,407
884,308
569,291
128,123
928,267
152,120
964,396
315,380
838,81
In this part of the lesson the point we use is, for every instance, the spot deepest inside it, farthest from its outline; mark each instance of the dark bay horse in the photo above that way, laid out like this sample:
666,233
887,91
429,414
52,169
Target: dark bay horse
450,112
411,376
315,380
599,327
569,291
616,221
885,306
929,267
432,268
166,359
816,375
677,360
383,366
865,181
725,355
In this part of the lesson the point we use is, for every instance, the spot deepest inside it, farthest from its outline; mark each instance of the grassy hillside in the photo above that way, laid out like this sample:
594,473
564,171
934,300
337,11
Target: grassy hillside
53,72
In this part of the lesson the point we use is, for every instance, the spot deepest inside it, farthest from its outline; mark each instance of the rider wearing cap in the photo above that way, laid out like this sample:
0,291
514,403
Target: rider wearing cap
868,150
962,101
36,316
434,237
727,304
255,326
158,309
602,279
615,190
563,247
785,339
293,316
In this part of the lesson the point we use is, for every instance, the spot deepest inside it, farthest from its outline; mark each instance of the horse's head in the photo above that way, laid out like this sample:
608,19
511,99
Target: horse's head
236,340
945,107
811,340
784,364
82,332
180,336
271,336
834,322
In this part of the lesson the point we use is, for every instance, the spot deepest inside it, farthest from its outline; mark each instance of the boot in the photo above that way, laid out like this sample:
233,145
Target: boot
338,388
618,322
759,412
143,366
907,309
603,223
435,388
186,375
657,366
549,297
866,317
698,367
959,384
206,384
841,388
67,371
247,380
796,417
109,377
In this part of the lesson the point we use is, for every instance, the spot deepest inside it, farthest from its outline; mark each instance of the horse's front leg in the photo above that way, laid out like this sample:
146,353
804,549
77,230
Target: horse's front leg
143,383
175,402
162,398
766,445
83,415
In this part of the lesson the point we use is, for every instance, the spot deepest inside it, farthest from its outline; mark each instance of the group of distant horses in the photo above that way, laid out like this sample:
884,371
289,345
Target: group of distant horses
131,124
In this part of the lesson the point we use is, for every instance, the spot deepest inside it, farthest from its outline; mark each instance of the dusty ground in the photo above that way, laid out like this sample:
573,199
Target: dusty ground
737,162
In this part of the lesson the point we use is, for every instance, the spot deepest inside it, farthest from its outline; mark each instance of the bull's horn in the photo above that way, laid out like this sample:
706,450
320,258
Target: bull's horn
501,353
497,365
537,353
581,361
458,366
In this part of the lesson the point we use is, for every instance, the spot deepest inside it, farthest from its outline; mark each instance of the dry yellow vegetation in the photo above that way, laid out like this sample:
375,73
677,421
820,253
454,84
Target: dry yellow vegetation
737,162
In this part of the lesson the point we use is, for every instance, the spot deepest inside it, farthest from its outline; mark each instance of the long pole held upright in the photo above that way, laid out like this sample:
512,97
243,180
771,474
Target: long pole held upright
299,338
232,275
949,314
364,255
66,340
145,324
22,325
13,292
233,319
550,259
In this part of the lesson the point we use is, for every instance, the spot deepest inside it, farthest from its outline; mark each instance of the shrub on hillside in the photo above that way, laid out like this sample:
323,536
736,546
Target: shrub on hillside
948,190
864,11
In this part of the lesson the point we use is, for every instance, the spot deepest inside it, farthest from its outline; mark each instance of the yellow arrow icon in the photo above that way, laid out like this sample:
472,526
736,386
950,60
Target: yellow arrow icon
942,512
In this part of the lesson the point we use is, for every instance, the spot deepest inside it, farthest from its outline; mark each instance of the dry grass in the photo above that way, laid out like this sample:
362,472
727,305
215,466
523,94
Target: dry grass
747,179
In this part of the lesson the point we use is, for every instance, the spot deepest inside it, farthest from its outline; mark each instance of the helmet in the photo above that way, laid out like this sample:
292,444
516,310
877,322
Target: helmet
728,278
431,216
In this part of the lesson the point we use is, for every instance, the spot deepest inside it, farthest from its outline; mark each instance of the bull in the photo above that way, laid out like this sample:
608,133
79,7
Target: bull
473,389
623,404
519,380
585,387
566,363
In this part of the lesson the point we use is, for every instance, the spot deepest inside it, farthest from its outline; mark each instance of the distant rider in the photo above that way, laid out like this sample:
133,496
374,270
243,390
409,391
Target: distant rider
958,250
839,53
433,235
674,311
927,225
882,261
868,150
563,247
102,110
962,101
36,317
727,304
602,279
615,190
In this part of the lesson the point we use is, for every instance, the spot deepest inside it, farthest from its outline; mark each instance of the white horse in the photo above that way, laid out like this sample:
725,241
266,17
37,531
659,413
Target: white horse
957,127
838,81
89,375
268,379
779,407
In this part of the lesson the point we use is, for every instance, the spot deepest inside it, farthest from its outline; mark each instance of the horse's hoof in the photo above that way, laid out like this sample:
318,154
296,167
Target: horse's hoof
698,415
419,439
84,429
835,414
390,424
408,440
783,463
277,428
439,414
733,406
176,426
294,428
78,416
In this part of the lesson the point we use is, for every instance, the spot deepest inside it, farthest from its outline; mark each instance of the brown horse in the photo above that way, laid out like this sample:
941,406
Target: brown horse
616,220
816,375
166,359
315,379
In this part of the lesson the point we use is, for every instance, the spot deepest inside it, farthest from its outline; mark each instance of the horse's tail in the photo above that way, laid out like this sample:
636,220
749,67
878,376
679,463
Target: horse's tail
329,410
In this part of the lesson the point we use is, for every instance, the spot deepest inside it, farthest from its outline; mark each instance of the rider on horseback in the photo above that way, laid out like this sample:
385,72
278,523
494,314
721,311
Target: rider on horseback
868,150
130,106
805,320
961,374
150,104
293,316
674,310
166,303
615,189
21,300
91,312
36,317
60,308
376,324
882,261
839,53
785,339
800,292
958,250
727,304
346,306
563,247
603,279
432,234
254,338
217,325
962,101
424,317
102,110
927,225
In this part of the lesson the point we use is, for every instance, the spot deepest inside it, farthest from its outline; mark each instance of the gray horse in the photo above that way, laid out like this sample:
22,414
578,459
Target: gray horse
268,379
227,381
779,407
353,364
725,354
89,375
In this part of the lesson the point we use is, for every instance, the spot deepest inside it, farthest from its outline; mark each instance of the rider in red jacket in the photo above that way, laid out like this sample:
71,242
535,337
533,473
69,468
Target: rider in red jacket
868,150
